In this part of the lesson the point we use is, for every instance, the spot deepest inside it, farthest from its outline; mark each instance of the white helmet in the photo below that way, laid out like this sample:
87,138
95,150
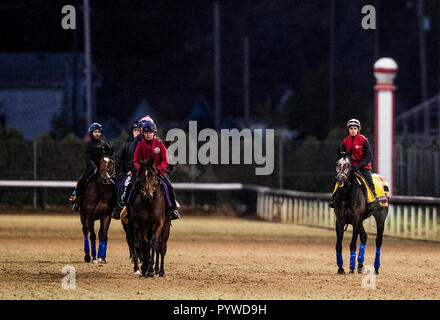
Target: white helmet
353,122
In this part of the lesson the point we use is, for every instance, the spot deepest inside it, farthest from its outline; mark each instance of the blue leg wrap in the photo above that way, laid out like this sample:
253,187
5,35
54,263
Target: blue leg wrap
104,250
86,244
93,246
352,259
361,252
339,259
377,259
100,249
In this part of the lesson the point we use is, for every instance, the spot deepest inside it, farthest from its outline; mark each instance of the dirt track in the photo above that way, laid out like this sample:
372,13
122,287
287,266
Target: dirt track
208,258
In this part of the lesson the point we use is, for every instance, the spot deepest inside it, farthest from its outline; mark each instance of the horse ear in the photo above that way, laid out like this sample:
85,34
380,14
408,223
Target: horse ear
342,154
150,163
143,163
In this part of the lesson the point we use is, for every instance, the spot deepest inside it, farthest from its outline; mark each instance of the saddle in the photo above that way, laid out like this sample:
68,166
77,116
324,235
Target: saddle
380,186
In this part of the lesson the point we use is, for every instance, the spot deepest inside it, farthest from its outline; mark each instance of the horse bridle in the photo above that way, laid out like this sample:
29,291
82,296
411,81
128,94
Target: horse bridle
108,180
156,183
344,175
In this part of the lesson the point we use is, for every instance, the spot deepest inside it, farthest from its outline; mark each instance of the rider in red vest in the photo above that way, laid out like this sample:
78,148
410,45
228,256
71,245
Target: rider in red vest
152,148
359,148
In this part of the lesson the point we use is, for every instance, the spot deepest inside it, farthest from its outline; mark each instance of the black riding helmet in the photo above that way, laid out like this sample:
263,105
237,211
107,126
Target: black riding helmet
135,125
149,127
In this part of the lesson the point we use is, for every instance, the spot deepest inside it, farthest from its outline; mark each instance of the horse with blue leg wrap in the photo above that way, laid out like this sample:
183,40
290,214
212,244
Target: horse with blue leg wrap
351,207
99,202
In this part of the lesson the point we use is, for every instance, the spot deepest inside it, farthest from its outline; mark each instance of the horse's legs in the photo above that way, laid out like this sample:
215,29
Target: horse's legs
363,237
128,238
356,228
163,246
339,237
156,264
103,231
155,239
133,246
91,226
146,252
380,217
153,248
85,231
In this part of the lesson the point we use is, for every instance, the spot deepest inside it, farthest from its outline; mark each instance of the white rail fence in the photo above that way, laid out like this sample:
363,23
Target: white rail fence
408,217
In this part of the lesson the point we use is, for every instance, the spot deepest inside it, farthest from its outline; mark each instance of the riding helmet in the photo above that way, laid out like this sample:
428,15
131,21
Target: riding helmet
354,122
149,127
95,126
135,125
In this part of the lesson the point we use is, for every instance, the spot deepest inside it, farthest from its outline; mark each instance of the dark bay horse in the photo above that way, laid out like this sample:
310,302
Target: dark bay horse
99,202
151,222
351,208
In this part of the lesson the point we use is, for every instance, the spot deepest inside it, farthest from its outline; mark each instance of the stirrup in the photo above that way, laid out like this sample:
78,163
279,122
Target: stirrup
75,206
72,198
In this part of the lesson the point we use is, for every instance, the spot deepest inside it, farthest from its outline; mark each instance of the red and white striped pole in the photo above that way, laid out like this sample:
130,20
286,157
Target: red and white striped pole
385,70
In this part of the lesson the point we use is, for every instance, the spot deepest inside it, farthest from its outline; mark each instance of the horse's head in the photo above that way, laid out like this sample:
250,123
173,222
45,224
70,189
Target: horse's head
147,175
343,168
106,168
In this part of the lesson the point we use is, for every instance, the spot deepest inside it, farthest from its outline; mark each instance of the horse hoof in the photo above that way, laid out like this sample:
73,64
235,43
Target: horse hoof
351,270
87,258
161,273
341,271
376,271
102,260
361,269
138,273
95,261
150,274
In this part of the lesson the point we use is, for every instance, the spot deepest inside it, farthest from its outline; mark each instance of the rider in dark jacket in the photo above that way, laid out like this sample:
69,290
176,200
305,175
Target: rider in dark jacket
96,148
124,163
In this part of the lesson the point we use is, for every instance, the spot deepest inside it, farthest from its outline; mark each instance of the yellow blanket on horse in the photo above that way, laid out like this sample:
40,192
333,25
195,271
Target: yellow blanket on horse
380,186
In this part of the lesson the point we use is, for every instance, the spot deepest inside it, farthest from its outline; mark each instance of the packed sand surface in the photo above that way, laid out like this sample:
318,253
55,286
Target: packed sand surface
208,258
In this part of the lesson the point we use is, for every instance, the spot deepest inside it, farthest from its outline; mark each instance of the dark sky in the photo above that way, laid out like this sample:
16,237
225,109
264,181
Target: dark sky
163,51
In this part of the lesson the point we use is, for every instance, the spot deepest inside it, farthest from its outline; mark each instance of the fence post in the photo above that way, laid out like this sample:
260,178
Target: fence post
35,173
419,222
427,227
413,221
295,210
391,220
290,216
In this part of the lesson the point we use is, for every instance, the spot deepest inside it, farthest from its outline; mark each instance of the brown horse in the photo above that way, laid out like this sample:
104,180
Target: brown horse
99,201
151,221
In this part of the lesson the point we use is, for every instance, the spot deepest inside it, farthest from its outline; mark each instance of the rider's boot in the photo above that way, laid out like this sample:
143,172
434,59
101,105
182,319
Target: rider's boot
115,213
175,214
75,206
373,189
